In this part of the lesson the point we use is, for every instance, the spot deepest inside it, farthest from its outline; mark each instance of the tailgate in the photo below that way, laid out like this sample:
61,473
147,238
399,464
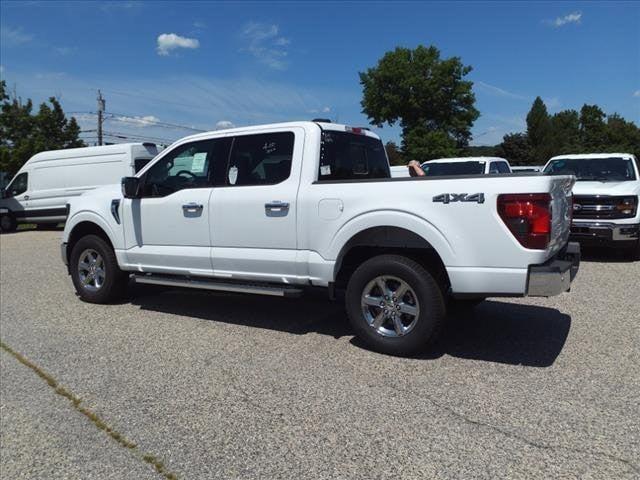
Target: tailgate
561,210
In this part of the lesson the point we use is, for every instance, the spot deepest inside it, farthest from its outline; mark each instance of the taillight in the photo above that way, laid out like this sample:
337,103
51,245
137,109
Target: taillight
528,217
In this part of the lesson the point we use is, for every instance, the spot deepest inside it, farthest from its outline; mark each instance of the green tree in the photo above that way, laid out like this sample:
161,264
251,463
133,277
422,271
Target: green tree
622,136
539,132
593,129
23,134
393,154
565,132
516,148
427,95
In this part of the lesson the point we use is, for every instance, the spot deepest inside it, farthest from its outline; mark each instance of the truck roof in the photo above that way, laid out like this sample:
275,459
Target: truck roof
339,127
83,152
588,156
466,159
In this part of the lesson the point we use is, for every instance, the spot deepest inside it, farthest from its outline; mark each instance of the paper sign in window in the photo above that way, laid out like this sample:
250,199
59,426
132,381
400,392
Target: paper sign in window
198,163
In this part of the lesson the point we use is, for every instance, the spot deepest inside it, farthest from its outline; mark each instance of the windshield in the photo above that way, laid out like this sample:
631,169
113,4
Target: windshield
453,168
614,169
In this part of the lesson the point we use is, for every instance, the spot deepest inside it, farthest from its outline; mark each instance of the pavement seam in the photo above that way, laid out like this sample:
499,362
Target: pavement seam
510,434
91,415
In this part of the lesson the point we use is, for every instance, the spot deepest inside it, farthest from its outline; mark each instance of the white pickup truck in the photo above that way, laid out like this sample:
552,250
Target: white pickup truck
272,209
605,198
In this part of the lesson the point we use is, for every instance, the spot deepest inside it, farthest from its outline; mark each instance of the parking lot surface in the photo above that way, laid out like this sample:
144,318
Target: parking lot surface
206,385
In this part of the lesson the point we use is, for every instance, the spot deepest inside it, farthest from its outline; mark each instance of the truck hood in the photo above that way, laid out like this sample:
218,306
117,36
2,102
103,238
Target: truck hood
606,188
105,190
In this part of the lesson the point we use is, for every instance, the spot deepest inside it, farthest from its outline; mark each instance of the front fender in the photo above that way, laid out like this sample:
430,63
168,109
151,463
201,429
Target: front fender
89,216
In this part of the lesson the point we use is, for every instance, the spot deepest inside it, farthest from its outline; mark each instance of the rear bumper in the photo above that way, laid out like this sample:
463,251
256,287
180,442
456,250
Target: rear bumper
604,233
555,275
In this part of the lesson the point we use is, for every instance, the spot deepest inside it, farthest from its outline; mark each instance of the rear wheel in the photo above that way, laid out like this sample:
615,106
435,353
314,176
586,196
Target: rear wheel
395,305
94,271
8,222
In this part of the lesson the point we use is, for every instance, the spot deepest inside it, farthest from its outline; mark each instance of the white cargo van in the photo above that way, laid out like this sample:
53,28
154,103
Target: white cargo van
40,190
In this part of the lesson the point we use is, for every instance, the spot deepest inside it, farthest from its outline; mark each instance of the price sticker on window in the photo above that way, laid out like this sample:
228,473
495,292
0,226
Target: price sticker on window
198,163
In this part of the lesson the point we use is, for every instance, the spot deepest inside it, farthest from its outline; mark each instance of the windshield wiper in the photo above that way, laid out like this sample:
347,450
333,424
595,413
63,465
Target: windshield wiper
595,178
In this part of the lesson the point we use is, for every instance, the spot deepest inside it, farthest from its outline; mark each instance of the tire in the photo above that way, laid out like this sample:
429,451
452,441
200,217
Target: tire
96,256
635,251
420,311
8,222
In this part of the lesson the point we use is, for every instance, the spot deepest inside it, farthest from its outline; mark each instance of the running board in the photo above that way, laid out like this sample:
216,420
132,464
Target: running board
184,282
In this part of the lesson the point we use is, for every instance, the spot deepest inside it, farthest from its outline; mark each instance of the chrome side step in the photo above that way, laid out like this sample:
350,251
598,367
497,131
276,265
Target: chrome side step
222,286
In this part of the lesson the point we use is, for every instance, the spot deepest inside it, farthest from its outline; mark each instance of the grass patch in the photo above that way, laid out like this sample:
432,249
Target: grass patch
91,415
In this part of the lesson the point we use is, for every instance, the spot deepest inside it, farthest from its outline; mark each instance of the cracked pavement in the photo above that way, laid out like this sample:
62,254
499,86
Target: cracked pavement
230,386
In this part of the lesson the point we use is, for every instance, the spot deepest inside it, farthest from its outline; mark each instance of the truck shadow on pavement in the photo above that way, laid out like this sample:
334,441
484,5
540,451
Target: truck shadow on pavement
495,331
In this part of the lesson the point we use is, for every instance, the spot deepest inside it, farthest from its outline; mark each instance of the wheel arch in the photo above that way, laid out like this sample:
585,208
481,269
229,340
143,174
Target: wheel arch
382,240
82,229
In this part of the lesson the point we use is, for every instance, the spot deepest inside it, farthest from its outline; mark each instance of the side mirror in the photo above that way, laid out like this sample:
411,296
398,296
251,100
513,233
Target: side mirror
130,187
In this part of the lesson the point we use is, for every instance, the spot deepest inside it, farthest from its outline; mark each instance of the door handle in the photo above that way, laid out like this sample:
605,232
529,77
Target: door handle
26,197
192,207
277,205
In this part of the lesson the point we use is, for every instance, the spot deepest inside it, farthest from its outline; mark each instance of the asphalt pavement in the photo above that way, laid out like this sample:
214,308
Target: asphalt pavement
187,384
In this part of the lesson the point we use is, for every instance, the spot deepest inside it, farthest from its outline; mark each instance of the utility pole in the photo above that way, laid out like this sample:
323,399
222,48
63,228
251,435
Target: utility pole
101,104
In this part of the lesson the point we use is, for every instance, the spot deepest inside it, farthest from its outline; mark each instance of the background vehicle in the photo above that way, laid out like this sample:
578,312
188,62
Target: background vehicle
526,168
271,209
466,166
457,166
605,198
41,189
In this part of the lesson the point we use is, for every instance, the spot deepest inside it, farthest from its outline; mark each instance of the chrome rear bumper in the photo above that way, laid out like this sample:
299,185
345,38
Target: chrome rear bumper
554,276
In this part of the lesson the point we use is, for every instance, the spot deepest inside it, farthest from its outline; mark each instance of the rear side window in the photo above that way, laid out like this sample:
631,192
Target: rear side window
19,185
263,159
499,167
347,156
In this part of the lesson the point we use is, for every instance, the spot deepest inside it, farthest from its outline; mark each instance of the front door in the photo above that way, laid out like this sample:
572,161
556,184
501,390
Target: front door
253,207
167,229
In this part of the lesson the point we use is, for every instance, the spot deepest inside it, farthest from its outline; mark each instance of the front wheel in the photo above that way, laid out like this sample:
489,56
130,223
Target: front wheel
395,305
95,272
8,222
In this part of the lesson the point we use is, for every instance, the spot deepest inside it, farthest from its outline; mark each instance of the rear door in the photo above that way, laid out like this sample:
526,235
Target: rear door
253,207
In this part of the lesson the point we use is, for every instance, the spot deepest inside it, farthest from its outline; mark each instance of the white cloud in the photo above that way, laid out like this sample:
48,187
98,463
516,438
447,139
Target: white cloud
146,121
13,36
636,93
64,51
167,42
50,75
574,17
1,68
497,91
552,102
326,109
266,44
222,124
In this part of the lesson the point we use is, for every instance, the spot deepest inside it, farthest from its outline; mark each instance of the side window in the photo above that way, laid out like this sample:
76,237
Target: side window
188,166
140,163
493,167
349,156
263,159
18,186
503,168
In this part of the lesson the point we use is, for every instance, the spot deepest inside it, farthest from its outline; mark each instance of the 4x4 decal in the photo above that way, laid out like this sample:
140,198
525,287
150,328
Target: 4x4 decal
459,197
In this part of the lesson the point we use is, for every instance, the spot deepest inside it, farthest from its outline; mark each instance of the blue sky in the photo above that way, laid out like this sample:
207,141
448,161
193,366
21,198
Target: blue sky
204,64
